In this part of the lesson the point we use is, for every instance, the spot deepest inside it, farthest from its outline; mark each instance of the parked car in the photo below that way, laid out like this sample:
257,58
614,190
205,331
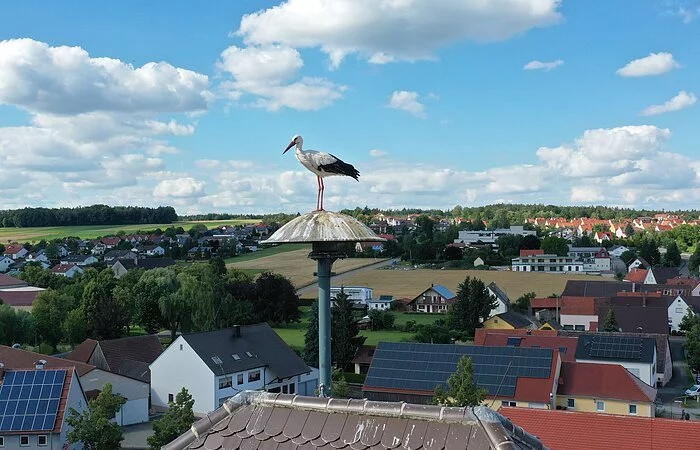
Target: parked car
693,391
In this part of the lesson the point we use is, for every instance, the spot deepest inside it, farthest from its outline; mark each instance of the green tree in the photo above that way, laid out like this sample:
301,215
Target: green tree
672,258
104,317
628,256
530,242
50,310
381,320
610,323
276,300
522,304
218,264
689,320
310,353
629,230
694,261
649,250
462,391
692,347
339,385
93,427
435,333
178,419
345,339
74,328
150,292
509,245
553,245
472,305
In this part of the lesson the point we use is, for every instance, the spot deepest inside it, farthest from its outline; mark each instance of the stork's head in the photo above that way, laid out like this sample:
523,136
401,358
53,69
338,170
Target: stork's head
296,140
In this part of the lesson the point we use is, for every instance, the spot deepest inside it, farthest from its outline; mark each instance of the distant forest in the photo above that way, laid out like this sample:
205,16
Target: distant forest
87,215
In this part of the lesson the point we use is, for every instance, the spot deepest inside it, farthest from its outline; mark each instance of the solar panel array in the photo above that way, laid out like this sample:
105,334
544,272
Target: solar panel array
29,399
421,367
616,347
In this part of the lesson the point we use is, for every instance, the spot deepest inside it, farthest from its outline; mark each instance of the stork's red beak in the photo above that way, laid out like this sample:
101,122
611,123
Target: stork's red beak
291,144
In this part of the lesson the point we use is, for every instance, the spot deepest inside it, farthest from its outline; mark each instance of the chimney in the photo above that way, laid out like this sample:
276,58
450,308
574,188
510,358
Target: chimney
40,364
2,371
237,331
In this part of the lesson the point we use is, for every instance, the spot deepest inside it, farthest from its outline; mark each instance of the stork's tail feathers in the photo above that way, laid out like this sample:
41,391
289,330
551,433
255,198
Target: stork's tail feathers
340,167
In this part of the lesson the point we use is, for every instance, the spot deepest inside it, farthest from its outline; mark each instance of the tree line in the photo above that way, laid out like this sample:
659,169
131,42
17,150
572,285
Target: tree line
86,215
180,298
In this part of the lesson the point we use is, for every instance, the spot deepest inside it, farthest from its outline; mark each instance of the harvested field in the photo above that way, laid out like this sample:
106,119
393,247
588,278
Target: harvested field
410,283
296,265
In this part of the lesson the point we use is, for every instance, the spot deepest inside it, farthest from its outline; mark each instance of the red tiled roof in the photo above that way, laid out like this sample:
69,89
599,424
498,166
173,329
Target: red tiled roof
603,381
19,298
543,303
16,358
83,351
12,249
111,241
569,430
482,333
525,252
62,268
577,305
8,281
636,276
568,344
364,354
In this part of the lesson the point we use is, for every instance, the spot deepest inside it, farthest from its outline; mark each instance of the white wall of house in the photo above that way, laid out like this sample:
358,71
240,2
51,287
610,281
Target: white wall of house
619,251
177,367
676,311
5,263
136,393
382,306
578,322
634,265
158,251
355,293
597,265
644,371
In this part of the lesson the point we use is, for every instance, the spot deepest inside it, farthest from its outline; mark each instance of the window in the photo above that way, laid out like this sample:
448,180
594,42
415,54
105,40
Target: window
568,327
216,360
679,310
43,442
171,398
570,403
285,389
24,441
235,357
600,406
253,376
225,382
506,403
239,379
633,410
2,441
579,328
274,390
250,355
292,389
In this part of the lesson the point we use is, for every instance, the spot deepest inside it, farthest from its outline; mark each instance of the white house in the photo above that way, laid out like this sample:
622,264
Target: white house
216,365
490,236
357,294
152,250
67,270
546,264
134,392
677,309
501,297
638,263
15,251
79,260
5,263
383,303
636,354
38,256
617,250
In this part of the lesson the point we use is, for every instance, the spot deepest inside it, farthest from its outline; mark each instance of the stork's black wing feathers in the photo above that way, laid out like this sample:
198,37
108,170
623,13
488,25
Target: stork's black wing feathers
340,167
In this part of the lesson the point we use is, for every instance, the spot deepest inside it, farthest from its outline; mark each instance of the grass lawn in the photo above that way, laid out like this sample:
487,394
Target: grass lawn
268,251
35,234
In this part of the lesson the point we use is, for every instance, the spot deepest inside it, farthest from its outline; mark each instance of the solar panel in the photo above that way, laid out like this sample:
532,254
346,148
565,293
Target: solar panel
423,366
29,399
513,341
616,347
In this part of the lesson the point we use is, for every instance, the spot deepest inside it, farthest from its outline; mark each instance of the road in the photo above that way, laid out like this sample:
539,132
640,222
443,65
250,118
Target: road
313,288
678,384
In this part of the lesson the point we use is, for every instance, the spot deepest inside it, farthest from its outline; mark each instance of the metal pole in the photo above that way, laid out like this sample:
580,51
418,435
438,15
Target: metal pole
324,325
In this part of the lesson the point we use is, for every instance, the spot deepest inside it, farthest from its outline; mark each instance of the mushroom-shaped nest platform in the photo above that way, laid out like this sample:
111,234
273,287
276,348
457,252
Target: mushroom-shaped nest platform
323,226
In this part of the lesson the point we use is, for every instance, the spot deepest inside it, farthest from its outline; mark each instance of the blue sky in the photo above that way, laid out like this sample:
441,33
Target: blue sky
436,102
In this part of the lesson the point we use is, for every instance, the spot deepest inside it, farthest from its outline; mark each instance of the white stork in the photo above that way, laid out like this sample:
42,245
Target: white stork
322,164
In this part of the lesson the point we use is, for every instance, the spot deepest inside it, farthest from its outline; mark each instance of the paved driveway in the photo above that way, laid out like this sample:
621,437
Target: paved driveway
135,435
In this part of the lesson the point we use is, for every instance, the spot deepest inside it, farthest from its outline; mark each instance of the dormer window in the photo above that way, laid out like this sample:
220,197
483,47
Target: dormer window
216,360
235,357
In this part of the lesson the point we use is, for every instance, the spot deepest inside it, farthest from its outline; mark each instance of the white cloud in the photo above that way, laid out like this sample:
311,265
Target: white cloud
267,73
681,101
542,65
186,187
407,101
654,64
66,80
687,10
383,31
376,153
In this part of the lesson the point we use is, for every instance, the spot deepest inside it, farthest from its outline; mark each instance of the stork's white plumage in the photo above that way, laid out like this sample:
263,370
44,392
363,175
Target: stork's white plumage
322,164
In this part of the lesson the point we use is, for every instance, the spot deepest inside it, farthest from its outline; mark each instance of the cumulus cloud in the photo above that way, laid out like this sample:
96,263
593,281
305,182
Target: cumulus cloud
543,65
407,101
67,80
186,187
681,101
687,10
267,74
391,30
654,64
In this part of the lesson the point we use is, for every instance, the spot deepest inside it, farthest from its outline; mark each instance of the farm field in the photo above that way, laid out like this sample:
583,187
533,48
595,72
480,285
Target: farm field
294,264
410,283
34,234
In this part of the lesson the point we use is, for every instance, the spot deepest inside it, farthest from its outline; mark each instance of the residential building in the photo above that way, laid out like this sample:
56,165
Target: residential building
15,251
636,354
20,298
546,264
217,365
121,267
638,263
678,307
617,250
8,282
636,276
263,420
39,255
636,313
509,320
503,302
604,389
577,313
356,294
67,270
363,358
403,371
152,250
113,255
34,405
5,263
660,275
584,431
566,345
436,299
383,303
489,237
79,260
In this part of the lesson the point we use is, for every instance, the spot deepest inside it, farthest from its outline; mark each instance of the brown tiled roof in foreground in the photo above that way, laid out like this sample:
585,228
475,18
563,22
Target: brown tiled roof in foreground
265,421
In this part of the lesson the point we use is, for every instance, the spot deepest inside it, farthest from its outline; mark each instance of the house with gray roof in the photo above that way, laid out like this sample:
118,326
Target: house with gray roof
216,365
436,299
501,297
